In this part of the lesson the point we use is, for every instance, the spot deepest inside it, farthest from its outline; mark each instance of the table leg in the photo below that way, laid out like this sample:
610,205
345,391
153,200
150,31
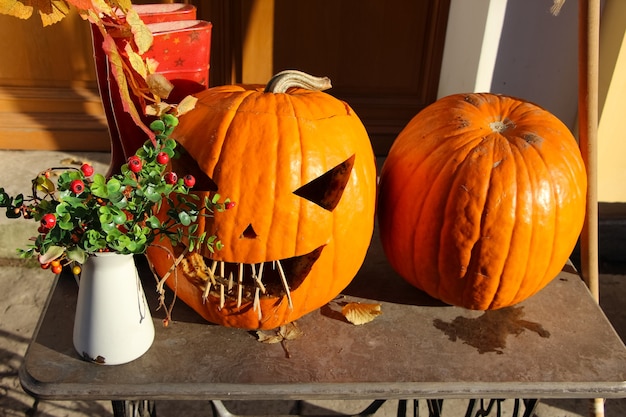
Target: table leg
475,408
530,405
142,408
482,411
220,410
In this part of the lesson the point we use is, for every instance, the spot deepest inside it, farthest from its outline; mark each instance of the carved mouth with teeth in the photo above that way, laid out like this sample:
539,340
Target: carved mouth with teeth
241,282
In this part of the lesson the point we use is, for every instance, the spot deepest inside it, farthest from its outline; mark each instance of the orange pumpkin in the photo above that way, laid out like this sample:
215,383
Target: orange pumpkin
299,166
482,199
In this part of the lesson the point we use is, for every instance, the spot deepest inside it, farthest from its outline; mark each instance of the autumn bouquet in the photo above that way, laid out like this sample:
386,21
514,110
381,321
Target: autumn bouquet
85,213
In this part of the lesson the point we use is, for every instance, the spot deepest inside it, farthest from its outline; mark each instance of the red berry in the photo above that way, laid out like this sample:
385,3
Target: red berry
134,163
229,205
56,269
170,177
190,180
87,170
163,158
45,266
77,186
48,221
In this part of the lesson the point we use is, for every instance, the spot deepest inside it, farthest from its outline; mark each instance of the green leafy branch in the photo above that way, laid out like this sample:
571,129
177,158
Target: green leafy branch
85,213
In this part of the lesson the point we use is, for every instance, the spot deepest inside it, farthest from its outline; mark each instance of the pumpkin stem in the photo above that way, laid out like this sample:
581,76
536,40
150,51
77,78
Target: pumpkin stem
284,80
500,126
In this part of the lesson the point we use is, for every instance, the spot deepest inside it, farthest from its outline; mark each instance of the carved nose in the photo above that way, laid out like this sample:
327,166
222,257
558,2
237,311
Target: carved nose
249,233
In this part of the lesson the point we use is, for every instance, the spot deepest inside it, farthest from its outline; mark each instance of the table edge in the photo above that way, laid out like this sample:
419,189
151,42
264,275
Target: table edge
322,391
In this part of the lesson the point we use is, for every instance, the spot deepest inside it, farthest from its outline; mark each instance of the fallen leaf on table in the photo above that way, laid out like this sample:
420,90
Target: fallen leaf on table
71,161
289,331
361,313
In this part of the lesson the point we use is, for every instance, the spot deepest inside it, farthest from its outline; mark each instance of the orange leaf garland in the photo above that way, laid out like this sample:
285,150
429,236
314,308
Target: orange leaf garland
118,72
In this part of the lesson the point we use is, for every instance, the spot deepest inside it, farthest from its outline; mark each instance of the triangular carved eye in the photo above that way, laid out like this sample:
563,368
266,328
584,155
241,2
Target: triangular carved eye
326,190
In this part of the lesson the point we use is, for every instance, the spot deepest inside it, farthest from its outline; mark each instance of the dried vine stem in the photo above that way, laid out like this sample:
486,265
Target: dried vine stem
161,283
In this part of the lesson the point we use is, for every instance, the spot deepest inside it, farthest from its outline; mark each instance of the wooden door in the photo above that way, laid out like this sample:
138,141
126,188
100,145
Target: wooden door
383,56
48,93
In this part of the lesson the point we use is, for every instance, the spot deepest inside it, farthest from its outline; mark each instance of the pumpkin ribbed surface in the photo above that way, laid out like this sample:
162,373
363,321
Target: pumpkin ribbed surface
265,151
482,200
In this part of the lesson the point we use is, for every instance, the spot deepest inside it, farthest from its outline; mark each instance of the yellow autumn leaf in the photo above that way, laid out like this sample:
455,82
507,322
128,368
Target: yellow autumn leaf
187,104
123,5
50,11
59,10
16,8
45,185
361,313
151,65
136,61
143,36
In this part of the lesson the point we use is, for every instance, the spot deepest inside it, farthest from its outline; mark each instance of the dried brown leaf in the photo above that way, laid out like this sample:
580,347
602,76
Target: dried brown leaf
289,331
268,337
159,85
158,109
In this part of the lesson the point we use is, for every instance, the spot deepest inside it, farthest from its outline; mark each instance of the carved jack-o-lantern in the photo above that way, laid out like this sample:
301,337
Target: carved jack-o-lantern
300,167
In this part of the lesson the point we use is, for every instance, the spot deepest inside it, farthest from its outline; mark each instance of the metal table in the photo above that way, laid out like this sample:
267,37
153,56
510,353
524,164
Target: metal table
557,344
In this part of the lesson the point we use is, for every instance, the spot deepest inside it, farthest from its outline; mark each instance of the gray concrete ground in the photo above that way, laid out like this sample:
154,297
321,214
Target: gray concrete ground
25,287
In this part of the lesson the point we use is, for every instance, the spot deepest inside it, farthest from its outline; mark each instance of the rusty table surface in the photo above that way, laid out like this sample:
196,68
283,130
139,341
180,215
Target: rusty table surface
557,344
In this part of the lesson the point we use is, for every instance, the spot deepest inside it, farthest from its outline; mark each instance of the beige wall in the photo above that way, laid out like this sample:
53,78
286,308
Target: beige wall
553,44
612,98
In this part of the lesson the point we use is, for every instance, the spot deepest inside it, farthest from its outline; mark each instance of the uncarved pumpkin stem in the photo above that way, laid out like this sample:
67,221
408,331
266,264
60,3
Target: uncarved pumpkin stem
285,80
500,126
